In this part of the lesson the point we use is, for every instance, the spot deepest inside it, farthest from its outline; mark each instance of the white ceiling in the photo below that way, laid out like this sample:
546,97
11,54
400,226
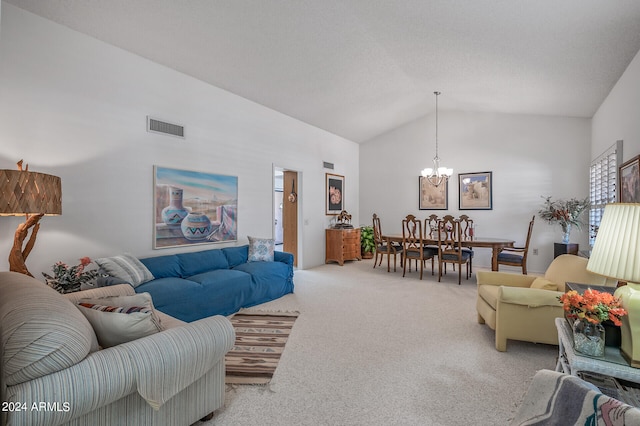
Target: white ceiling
359,68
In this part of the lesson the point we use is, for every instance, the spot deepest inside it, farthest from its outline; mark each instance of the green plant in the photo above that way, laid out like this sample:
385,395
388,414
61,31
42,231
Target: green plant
564,212
366,239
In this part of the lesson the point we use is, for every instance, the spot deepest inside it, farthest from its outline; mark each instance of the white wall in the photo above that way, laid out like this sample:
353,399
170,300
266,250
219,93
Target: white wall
75,107
530,157
617,118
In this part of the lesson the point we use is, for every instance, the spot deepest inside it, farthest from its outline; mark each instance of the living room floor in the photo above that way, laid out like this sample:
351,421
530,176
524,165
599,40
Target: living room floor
372,347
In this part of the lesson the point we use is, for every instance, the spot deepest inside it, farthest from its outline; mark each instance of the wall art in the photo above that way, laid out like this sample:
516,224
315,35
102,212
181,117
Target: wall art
334,194
431,197
476,192
193,208
629,181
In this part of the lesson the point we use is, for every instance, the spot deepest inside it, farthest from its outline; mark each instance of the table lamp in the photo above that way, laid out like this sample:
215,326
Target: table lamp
616,254
34,195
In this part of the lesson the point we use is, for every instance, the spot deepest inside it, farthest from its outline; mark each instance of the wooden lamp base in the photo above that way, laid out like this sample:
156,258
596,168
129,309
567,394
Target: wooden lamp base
18,254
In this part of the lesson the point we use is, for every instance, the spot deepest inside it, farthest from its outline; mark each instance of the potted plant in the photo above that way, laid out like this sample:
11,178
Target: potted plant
367,244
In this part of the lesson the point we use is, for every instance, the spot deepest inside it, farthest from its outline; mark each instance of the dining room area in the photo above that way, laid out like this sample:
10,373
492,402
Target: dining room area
440,244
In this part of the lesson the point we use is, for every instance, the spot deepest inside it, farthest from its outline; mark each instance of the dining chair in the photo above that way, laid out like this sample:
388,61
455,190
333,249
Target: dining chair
467,229
413,244
517,256
384,247
450,249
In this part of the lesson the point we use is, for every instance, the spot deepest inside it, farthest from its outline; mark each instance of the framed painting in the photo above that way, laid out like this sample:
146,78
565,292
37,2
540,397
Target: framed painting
193,207
476,192
334,194
629,181
431,197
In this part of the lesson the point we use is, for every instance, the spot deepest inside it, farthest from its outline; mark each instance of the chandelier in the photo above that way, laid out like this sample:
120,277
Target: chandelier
437,174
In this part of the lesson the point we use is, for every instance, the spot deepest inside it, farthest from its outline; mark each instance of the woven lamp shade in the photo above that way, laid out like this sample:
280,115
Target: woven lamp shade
25,192
616,252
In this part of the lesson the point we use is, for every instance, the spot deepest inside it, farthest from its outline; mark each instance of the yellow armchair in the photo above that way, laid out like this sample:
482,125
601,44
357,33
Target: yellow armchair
524,307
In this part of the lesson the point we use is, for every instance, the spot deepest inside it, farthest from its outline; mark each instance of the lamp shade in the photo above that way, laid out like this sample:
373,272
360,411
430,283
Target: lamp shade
616,252
23,192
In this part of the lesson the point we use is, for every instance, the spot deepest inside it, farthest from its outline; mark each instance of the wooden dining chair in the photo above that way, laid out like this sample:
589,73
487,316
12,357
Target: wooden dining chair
467,232
384,247
413,244
517,256
450,249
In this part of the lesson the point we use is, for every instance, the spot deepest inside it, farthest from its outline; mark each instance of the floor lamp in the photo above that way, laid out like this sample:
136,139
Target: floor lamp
616,254
31,194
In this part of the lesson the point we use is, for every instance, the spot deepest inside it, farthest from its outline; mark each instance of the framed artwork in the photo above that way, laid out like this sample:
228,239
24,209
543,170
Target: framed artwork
334,194
629,181
193,207
431,197
476,191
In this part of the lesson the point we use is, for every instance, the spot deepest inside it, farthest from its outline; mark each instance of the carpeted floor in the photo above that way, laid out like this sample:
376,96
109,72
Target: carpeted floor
373,348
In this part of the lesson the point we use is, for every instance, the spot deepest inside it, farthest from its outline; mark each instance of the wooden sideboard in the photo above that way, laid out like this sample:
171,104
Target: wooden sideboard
342,244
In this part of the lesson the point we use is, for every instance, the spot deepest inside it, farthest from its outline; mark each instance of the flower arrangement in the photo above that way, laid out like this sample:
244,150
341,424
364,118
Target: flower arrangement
594,306
67,279
564,212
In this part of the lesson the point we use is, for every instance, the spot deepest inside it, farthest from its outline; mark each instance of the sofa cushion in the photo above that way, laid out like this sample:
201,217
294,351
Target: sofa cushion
42,331
261,249
201,261
125,267
236,255
118,324
489,294
544,284
163,266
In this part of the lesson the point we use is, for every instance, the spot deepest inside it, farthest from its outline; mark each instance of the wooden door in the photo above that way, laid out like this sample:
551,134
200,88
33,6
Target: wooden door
290,215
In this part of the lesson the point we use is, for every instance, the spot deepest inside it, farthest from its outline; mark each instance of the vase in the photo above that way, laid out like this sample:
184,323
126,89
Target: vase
588,338
63,288
175,212
566,233
196,226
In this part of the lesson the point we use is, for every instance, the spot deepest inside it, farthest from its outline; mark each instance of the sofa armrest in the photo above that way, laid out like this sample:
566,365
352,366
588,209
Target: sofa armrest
504,278
531,297
166,363
284,257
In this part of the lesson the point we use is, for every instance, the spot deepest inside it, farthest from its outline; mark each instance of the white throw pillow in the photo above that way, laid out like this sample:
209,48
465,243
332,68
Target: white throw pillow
126,267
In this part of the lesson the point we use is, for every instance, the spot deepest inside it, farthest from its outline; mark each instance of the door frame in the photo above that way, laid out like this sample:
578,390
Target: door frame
298,190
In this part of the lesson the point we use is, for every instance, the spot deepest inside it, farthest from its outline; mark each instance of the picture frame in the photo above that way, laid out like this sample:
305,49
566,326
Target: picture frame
476,191
431,197
629,181
334,194
191,207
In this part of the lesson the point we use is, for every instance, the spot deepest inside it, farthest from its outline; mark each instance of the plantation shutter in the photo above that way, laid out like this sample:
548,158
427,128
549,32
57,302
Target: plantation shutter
603,186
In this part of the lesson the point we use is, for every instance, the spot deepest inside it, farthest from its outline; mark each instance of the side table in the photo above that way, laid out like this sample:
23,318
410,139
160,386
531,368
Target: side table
571,362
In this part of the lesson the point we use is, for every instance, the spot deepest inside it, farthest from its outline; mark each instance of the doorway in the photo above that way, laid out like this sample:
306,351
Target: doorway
285,213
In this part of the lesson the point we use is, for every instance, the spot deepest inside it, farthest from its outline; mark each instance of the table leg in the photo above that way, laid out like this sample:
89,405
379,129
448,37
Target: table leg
494,258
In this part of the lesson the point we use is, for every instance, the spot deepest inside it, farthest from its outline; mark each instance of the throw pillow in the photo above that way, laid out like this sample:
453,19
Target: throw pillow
544,284
116,324
261,249
140,299
125,267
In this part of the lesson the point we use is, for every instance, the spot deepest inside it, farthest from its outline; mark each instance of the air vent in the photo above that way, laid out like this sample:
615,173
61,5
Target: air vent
157,126
327,165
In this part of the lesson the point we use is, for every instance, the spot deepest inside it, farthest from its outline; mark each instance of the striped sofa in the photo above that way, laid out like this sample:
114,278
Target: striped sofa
52,373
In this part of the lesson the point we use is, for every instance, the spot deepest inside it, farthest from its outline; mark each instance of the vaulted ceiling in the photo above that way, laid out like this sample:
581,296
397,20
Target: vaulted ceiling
359,68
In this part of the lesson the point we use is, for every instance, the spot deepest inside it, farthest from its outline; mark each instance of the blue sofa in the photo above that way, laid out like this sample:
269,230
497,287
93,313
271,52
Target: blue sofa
195,285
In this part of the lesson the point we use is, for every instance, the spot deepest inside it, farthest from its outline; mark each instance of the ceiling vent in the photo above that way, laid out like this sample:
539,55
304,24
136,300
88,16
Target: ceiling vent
158,126
327,165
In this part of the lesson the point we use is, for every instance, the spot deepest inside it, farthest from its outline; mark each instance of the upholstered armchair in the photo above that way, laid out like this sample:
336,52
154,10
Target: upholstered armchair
524,307
50,356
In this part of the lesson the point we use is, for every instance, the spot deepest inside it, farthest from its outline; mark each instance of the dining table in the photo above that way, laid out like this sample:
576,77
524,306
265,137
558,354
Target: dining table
495,244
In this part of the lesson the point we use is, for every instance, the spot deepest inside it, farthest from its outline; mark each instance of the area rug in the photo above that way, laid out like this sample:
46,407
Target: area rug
260,341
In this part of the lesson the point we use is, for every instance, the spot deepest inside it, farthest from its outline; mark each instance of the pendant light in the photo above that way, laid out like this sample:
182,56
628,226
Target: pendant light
437,174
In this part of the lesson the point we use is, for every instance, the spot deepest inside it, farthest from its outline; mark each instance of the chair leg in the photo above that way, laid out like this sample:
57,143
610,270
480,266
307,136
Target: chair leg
459,273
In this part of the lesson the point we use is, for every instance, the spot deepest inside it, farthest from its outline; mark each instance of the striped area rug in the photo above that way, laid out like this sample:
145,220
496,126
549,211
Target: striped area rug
260,341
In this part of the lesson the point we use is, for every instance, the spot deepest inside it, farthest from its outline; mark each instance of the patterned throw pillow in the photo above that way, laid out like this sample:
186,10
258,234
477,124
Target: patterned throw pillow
114,325
126,267
261,249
